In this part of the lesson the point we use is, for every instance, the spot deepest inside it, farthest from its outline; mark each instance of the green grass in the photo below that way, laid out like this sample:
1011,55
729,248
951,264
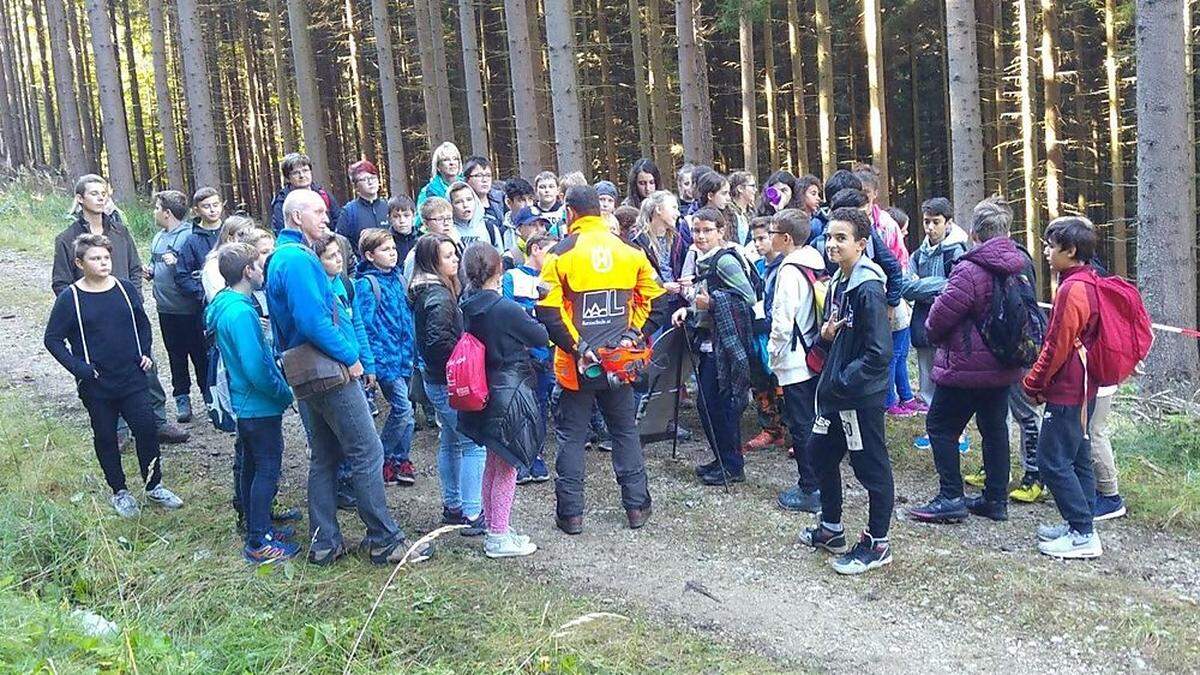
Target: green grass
184,601
1159,466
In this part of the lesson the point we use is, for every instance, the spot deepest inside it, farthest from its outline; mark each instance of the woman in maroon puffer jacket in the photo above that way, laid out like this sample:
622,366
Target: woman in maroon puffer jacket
970,381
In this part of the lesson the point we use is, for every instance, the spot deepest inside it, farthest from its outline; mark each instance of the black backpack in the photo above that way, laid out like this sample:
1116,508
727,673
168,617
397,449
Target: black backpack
1013,327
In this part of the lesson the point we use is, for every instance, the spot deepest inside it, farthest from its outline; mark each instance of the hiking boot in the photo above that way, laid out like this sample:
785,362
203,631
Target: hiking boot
977,479
183,409
538,472
898,410
1108,507
474,526
707,468
569,524
762,441
940,510
270,551
285,514
164,498
1052,532
866,555
326,557
1030,490
638,517
1073,545
916,405
795,499
171,434
508,545
819,536
394,552
404,473
452,516
719,476
922,442
997,511
125,504
389,472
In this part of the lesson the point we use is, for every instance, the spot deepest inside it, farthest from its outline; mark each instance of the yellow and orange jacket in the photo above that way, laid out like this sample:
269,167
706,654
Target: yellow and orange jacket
600,290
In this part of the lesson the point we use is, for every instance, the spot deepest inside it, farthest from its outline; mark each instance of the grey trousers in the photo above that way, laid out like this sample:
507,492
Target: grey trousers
572,427
1104,464
925,373
1028,417
339,425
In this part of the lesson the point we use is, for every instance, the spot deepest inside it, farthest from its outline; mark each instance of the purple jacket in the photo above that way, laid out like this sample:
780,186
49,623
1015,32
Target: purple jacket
962,359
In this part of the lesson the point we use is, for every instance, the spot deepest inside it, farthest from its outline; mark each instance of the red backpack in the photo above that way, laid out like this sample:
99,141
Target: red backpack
466,376
1123,336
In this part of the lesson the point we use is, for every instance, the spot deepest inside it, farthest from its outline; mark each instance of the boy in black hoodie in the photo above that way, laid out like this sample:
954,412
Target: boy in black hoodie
857,346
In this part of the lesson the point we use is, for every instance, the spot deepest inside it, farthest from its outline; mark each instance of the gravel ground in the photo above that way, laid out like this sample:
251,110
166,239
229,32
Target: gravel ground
973,597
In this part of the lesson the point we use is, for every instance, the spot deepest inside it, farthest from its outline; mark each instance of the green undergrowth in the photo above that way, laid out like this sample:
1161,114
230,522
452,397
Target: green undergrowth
1159,466
34,211
182,600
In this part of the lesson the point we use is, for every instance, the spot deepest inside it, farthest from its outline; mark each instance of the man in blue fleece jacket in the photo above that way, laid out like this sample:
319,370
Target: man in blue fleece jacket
338,421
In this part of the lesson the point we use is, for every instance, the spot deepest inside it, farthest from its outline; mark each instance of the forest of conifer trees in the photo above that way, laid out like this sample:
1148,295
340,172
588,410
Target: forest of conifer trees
1063,106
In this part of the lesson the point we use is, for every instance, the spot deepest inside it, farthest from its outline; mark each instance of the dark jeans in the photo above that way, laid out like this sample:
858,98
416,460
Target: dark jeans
339,426
1065,461
872,467
183,338
571,427
721,415
137,410
952,408
262,455
239,461
799,404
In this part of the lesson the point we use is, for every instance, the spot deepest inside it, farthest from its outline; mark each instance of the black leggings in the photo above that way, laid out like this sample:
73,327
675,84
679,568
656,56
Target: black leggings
137,410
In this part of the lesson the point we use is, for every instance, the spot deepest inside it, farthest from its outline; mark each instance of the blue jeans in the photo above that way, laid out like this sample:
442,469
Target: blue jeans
397,432
460,460
898,368
339,426
721,415
261,439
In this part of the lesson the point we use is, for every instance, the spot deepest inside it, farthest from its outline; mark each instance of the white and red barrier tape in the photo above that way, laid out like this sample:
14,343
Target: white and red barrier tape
1190,332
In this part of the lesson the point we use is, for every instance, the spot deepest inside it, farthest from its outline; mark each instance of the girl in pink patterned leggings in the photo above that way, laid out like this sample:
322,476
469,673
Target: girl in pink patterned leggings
510,426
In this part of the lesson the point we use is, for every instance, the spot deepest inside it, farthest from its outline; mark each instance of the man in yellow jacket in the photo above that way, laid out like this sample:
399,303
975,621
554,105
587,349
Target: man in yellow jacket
601,294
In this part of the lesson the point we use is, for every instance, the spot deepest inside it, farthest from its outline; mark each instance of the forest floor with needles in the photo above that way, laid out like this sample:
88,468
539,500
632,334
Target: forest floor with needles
715,583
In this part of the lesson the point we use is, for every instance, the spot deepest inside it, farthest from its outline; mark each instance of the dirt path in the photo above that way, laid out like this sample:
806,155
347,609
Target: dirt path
974,597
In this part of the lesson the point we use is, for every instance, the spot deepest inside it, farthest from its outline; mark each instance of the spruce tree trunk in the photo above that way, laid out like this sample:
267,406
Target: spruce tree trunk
657,83
965,119
826,113
1028,142
84,89
17,91
47,88
206,163
645,133
1166,229
799,114
75,160
476,115
135,103
35,102
1002,127
14,148
769,87
108,76
283,88
568,127
520,62
307,88
358,90
749,109
873,37
441,78
430,84
1115,156
393,126
541,87
162,89
610,168
1050,85
693,77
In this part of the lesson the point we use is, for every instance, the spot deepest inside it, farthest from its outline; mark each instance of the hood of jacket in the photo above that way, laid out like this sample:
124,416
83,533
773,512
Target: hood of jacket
807,256
863,271
477,303
226,301
999,255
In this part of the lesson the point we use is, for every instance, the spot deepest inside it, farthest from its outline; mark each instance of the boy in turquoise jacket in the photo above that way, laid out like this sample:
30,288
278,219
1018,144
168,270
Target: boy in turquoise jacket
258,395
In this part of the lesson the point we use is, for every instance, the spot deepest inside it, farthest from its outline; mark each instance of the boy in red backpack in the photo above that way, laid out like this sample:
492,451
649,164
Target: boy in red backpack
1060,379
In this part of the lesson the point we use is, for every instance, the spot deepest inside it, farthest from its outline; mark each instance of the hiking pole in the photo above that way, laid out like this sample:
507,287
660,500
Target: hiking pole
678,391
702,406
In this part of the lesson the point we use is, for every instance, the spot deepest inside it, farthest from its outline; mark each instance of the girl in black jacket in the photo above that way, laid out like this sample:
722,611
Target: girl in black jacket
434,296
511,426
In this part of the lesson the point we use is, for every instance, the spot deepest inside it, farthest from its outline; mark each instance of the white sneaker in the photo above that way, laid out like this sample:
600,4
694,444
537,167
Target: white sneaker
507,546
164,498
1052,532
125,504
1073,545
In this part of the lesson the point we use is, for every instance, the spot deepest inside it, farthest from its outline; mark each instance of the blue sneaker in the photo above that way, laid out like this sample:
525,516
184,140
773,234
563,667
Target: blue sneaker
538,472
795,499
922,442
270,550
1108,507
964,444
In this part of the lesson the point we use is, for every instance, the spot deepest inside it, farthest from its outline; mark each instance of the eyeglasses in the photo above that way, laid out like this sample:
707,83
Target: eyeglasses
440,219
480,175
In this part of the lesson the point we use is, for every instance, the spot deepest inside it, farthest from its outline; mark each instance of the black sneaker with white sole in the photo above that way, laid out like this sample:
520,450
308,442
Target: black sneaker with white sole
868,554
819,536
